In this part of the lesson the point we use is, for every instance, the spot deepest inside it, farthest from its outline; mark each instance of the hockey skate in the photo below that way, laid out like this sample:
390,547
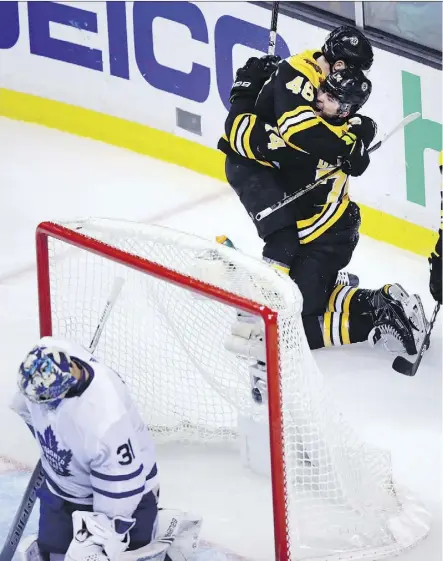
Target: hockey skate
347,279
400,321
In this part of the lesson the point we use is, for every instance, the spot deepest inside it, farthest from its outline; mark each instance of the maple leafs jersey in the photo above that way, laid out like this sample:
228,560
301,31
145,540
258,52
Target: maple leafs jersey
95,448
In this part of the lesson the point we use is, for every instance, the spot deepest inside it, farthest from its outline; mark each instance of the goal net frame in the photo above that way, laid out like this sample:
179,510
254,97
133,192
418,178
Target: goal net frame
333,496
50,229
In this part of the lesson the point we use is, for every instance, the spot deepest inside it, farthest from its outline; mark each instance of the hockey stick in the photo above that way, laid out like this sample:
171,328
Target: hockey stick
273,30
38,476
288,199
115,291
408,368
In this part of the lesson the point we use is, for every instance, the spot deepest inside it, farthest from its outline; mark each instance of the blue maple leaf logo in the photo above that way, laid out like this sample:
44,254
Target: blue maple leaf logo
59,460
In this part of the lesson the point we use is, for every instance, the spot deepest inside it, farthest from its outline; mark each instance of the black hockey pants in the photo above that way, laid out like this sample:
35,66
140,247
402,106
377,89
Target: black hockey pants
313,266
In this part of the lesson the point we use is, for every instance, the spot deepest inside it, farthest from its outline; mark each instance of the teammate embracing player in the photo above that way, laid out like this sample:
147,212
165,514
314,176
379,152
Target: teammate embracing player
99,497
290,122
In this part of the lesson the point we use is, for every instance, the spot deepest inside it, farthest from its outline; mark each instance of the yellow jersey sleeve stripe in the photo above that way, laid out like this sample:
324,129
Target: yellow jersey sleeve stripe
247,137
233,134
306,222
326,225
327,323
240,136
333,297
296,115
347,300
298,128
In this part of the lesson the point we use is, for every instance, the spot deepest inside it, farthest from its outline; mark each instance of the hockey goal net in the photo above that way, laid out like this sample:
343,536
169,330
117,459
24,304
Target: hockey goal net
329,495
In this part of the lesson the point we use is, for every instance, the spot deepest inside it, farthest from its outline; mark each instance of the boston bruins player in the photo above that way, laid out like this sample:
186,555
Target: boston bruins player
325,221
316,133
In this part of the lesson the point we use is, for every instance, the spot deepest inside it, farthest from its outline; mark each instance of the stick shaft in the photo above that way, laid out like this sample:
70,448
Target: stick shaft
273,30
23,513
115,291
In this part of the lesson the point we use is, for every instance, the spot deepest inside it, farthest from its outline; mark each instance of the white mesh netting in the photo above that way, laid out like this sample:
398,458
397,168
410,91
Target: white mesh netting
168,344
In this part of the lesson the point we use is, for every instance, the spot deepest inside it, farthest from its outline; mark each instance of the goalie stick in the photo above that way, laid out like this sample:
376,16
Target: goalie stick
404,366
288,199
38,476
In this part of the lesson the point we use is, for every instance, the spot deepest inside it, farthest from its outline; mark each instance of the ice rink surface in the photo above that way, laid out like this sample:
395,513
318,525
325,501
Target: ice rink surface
46,174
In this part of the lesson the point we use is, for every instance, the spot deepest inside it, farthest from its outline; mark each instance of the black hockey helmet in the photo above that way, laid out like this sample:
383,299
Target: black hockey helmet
348,43
350,86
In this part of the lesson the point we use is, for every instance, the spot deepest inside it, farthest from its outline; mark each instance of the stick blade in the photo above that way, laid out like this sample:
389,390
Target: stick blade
411,117
403,366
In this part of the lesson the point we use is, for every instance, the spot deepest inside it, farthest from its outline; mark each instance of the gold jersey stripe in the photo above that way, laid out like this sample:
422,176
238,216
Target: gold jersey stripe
344,328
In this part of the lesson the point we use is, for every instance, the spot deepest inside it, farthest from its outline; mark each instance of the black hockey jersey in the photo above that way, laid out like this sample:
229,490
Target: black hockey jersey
287,101
283,131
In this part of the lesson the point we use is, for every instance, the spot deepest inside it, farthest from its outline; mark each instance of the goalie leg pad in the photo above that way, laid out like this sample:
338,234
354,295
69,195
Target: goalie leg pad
176,539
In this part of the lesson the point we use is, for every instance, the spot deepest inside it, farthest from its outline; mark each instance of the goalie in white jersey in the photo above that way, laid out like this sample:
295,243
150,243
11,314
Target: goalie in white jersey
101,489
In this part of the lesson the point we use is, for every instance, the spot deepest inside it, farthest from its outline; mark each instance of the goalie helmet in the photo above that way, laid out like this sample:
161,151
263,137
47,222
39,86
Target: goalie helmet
348,44
350,87
46,375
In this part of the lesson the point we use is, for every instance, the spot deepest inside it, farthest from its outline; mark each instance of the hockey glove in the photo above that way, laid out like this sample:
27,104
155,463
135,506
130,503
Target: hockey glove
250,78
356,162
435,277
364,128
98,537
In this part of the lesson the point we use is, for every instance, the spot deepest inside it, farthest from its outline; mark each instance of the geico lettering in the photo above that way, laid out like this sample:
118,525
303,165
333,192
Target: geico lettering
112,18
230,31
194,85
9,24
42,14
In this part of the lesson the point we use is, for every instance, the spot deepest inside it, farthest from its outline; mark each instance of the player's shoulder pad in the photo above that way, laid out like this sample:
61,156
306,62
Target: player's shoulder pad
304,63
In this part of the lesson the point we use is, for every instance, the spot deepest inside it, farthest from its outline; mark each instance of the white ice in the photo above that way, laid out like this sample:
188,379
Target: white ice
46,174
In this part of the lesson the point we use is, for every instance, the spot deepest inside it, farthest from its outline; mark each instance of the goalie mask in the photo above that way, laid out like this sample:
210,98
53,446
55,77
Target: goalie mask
46,375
